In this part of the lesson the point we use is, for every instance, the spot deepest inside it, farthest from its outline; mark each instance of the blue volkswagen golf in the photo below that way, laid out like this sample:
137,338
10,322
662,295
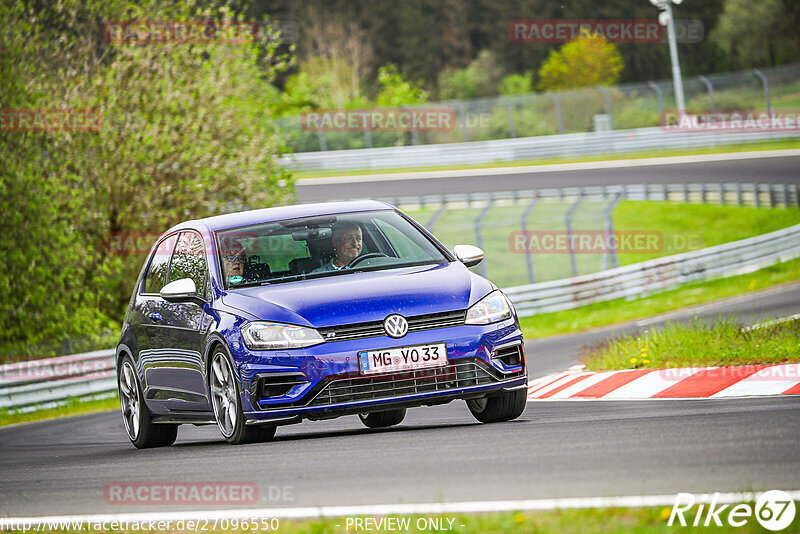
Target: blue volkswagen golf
268,317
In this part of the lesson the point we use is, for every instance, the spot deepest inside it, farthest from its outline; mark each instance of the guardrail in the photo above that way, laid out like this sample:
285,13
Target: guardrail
526,148
36,384
729,259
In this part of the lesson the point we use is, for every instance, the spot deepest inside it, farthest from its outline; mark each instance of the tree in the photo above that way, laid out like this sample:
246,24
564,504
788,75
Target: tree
396,90
754,34
479,79
186,133
516,84
586,61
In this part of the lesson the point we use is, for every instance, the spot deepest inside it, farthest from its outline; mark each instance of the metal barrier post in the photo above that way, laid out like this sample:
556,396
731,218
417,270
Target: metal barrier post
660,94
710,88
557,104
739,193
528,255
436,216
607,102
765,83
609,234
463,116
367,132
323,143
478,237
512,130
568,221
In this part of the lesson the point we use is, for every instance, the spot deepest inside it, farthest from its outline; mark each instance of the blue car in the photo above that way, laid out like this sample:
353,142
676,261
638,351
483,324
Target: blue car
268,317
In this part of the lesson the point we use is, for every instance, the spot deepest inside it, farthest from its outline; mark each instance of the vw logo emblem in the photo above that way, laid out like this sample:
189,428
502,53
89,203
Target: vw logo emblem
395,325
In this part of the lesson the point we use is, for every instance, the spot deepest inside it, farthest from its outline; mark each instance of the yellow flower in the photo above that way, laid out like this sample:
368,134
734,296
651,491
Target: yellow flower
665,512
752,284
645,361
634,360
519,518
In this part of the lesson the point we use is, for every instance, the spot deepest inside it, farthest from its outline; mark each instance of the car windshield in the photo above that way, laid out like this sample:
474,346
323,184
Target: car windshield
330,245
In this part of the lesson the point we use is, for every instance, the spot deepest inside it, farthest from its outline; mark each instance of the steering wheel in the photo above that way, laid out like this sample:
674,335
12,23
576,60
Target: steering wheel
366,257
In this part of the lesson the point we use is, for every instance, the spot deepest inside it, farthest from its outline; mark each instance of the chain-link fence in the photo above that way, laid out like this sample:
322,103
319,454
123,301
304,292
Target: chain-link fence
625,106
551,234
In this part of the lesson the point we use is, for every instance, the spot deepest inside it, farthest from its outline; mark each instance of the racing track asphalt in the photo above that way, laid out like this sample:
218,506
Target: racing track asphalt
774,169
556,449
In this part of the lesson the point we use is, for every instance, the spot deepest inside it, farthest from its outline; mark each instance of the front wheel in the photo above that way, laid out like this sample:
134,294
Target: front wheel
383,419
504,407
227,402
141,430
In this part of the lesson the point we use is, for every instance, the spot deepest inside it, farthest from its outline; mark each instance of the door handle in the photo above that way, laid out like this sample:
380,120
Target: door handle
155,316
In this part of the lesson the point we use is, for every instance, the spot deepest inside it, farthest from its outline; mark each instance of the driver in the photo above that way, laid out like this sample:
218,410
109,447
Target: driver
347,242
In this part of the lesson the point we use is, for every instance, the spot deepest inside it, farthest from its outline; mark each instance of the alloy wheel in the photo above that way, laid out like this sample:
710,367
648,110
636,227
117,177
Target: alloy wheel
129,400
223,394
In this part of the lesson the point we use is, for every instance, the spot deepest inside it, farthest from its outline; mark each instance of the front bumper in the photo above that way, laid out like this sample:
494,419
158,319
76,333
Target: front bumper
323,381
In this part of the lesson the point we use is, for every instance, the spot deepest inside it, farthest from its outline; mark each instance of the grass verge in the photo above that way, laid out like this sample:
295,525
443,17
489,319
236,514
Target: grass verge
620,310
591,520
72,407
724,149
698,343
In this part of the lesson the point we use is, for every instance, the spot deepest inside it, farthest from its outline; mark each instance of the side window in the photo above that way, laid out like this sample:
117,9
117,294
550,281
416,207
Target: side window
189,261
156,277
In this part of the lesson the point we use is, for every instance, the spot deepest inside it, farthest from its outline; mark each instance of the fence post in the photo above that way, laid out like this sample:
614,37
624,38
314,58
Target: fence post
528,255
557,104
766,90
478,237
721,194
463,117
710,92
512,130
607,101
436,216
568,221
739,193
323,143
609,232
660,94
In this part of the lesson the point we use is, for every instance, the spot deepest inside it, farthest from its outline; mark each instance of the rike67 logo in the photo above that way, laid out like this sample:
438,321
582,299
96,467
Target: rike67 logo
774,510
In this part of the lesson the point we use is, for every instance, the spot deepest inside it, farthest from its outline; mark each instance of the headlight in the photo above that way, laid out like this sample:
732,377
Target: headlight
262,335
490,309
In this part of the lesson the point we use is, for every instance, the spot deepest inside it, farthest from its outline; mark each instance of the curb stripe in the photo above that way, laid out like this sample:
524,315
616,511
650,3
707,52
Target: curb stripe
611,383
564,386
709,381
794,390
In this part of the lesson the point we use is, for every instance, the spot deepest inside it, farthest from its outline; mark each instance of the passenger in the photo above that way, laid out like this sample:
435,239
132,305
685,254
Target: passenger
347,243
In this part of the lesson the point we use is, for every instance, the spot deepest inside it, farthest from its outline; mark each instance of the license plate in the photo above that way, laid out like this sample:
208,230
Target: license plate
402,358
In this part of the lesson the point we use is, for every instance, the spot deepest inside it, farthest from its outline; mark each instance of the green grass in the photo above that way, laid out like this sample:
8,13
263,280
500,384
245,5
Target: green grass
724,149
698,343
590,520
72,407
621,310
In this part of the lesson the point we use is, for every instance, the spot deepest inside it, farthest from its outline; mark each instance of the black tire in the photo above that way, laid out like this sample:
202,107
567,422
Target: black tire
139,426
383,419
223,385
495,409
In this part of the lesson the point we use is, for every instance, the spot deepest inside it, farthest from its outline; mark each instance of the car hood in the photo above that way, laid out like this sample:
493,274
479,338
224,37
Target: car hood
363,296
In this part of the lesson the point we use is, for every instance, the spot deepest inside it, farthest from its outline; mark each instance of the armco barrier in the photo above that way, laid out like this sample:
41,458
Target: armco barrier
525,148
729,259
34,384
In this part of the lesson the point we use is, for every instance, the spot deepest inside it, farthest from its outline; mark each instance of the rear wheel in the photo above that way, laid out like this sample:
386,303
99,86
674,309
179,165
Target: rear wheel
503,407
227,402
383,419
141,430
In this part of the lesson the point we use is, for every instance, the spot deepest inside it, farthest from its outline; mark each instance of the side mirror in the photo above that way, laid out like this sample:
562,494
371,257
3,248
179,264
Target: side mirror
183,290
469,255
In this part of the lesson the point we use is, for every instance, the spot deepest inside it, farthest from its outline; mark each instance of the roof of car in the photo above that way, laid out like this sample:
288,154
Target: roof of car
246,218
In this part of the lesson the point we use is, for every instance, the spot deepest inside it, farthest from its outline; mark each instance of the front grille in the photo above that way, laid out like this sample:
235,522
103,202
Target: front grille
459,373
375,328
